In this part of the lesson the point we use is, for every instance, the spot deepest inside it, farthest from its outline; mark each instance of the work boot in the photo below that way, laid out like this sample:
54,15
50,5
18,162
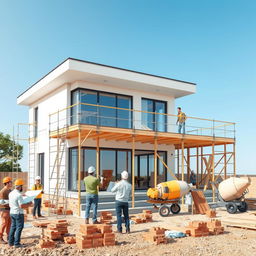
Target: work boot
96,222
86,221
128,231
2,241
34,217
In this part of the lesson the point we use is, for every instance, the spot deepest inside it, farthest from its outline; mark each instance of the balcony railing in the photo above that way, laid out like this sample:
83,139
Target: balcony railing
98,115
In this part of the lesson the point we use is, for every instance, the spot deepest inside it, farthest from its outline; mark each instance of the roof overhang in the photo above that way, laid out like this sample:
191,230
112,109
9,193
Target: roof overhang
72,70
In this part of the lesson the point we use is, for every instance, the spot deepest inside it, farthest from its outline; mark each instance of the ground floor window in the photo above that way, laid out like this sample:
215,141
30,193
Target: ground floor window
113,162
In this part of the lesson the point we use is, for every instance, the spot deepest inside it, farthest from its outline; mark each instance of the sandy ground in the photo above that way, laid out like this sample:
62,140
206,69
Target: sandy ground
233,242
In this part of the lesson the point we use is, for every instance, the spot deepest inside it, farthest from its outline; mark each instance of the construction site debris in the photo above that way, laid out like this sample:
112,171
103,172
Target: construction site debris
69,240
145,216
106,217
46,243
251,203
156,235
211,213
95,235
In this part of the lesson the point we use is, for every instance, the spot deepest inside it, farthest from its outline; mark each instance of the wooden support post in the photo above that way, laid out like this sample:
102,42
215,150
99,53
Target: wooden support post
155,162
178,164
133,171
188,165
213,174
79,173
97,157
197,167
225,161
234,158
182,165
202,163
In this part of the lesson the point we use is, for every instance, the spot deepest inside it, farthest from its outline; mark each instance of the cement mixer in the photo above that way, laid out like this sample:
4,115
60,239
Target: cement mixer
231,194
168,193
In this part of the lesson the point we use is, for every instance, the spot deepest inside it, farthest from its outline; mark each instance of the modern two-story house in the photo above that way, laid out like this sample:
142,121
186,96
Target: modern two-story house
84,114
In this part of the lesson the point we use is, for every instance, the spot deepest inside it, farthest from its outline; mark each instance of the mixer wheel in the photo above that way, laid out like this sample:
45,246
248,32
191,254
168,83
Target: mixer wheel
231,208
175,208
164,211
242,207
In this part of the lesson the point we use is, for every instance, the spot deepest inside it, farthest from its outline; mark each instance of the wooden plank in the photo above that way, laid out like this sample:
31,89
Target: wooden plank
200,202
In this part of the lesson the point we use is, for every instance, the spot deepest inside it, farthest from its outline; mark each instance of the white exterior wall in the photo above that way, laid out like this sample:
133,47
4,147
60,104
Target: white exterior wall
60,99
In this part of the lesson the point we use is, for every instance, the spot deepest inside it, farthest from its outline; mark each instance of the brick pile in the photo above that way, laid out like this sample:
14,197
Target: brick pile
69,240
211,213
106,217
215,227
145,216
95,235
46,243
197,229
200,228
40,224
56,230
156,235
48,204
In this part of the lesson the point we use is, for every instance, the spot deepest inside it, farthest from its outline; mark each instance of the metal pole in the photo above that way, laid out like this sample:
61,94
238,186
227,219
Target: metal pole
213,174
79,172
234,158
133,172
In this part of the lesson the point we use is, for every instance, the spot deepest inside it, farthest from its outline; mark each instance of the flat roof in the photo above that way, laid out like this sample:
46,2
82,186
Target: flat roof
100,70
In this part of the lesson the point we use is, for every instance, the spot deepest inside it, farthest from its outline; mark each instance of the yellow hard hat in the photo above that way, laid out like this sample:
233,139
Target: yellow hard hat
19,182
7,179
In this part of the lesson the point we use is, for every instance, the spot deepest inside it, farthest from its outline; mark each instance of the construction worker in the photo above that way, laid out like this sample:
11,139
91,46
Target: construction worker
17,205
122,189
5,209
181,120
38,199
91,186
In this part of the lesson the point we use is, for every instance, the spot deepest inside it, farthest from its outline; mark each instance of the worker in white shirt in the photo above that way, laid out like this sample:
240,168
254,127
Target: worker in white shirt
122,189
17,205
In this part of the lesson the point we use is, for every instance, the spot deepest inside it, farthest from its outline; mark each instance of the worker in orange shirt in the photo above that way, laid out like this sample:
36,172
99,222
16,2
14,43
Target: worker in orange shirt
5,209
38,199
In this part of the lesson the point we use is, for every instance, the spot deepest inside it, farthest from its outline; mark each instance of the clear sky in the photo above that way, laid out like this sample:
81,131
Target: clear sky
211,43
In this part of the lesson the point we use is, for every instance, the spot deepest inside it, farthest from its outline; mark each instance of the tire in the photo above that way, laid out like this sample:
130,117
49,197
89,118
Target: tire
175,208
242,207
164,211
231,208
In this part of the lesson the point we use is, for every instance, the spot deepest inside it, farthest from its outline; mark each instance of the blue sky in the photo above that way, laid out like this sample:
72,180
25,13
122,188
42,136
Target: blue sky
211,43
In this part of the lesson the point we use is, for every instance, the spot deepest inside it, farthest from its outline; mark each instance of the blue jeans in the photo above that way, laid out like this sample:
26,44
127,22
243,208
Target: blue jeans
16,229
122,207
91,200
181,125
37,207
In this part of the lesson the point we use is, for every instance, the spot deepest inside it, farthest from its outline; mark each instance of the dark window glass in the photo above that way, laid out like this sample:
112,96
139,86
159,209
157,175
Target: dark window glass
41,166
36,122
161,177
124,117
160,120
75,109
147,118
88,113
73,173
89,158
107,115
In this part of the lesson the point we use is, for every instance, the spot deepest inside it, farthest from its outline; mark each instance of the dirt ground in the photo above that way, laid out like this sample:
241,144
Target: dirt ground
233,242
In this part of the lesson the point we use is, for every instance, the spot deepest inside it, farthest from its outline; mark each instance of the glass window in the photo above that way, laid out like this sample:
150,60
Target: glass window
143,181
88,113
36,122
124,117
160,107
73,174
74,110
107,115
147,118
41,166
161,168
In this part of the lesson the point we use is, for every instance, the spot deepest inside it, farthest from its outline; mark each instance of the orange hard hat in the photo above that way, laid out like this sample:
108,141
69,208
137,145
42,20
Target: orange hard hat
7,179
19,182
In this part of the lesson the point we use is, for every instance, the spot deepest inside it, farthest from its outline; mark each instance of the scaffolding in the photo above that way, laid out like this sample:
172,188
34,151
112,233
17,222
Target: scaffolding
198,149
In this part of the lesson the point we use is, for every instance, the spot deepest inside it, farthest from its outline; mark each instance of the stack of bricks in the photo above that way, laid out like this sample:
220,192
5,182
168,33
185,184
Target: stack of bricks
69,240
215,227
56,230
40,224
197,229
106,217
145,216
47,204
156,235
90,236
211,213
46,243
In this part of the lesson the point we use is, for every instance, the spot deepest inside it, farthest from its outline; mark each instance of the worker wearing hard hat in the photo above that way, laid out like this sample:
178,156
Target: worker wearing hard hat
5,209
38,199
17,205
91,186
122,189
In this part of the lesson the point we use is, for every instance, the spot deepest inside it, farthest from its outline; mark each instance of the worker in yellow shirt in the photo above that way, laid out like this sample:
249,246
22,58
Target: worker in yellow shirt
38,199
181,121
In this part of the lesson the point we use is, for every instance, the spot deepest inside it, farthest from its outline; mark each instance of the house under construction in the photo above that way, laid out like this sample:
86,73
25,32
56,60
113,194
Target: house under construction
84,114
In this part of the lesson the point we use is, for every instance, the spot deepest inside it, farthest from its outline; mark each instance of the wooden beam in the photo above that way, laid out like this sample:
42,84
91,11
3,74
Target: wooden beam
182,165
234,158
178,163
86,137
202,165
97,157
79,172
197,167
133,172
165,165
213,173
225,161
188,165
155,162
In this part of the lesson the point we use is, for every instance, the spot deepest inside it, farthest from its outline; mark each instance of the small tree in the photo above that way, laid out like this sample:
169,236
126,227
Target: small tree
10,153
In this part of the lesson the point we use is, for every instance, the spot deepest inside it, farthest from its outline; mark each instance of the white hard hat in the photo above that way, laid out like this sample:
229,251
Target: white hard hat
38,178
124,175
91,169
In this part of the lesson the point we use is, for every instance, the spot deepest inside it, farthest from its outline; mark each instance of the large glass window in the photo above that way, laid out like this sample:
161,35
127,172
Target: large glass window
110,115
41,166
36,122
73,173
156,120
